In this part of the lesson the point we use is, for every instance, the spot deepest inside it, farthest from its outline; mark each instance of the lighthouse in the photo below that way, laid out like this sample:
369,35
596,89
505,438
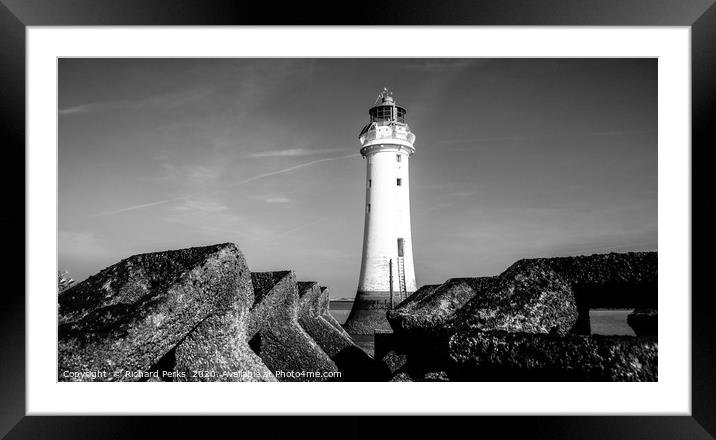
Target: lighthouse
387,273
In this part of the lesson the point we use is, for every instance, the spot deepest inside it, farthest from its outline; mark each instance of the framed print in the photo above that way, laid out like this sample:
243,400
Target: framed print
523,181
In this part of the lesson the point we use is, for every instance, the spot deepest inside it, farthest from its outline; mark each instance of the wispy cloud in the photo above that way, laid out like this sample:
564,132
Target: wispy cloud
294,152
303,226
134,207
169,101
280,199
213,218
95,107
204,206
192,177
293,168
204,215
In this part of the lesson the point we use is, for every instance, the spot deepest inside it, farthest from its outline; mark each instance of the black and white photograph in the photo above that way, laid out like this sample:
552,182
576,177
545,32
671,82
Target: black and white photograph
384,214
357,219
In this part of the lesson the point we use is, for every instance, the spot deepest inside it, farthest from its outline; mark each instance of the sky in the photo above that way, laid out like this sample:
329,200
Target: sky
515,158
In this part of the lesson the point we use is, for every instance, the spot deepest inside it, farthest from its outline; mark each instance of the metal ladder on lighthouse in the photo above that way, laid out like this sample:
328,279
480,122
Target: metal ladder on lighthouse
401,279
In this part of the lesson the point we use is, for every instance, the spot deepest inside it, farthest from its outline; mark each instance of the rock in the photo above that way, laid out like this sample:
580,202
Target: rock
325,307
315,301
423,362
433,306
527,297
501,355
644,322
602,280
276,335
353,363
436,376
416,354
547,297
425,291
401,377
312,312
129,318
614,280
212,352
395,362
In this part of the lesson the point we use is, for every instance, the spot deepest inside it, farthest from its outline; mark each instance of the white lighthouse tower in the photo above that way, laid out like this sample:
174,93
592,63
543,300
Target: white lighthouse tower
387,273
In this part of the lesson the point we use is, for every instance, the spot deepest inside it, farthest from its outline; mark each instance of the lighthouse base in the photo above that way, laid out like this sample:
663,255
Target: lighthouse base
368,314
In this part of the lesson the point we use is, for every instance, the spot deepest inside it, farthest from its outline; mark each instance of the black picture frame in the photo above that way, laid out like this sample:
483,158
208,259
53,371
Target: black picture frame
16,15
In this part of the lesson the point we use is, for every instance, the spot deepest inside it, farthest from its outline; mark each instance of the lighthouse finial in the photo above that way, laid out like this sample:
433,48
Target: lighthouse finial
384,95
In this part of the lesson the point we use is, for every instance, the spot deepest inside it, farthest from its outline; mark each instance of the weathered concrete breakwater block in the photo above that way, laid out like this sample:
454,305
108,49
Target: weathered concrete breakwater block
324,307
214,350
276,335
433,305
528,297
530,287
312,311
533,296
353,363
644,322
181,311
422,293
314,300
475,355
509,356
615,280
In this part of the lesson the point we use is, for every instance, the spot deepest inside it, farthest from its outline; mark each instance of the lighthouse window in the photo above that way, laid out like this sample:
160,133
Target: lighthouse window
400,181
370,183
368,207
401,115
398,157
381,113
